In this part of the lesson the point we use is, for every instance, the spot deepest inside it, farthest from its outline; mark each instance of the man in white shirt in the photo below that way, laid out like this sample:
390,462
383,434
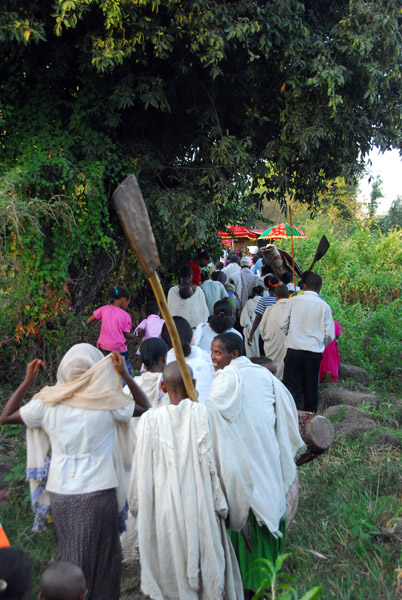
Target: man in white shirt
233,266
309,327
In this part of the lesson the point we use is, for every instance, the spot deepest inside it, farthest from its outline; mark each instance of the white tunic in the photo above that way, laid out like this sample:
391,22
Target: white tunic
204,335
246,321
272,334
203,370
263,417
82,443
193,309
178,496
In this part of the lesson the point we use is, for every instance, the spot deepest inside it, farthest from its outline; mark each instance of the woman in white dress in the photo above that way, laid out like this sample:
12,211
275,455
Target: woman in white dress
187,300
219,322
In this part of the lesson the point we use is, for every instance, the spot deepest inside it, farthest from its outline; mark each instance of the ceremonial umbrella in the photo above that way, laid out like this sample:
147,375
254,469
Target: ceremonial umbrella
282,232
238,232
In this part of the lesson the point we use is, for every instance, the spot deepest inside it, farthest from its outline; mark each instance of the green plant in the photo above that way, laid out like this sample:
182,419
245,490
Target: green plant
272,576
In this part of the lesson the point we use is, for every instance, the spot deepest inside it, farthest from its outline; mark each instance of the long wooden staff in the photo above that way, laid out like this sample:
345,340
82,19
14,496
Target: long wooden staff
134,217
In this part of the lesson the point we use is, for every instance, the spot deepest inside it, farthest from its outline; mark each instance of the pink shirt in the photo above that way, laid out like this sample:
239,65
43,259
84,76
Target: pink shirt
115,321
152,327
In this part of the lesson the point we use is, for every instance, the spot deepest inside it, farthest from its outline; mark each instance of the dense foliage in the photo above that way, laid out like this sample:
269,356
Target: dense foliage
213,105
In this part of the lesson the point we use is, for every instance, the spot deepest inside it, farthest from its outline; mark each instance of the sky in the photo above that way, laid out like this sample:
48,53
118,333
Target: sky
389,167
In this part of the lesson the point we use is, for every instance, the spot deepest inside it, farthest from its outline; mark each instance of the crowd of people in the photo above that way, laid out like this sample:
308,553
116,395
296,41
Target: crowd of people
127,467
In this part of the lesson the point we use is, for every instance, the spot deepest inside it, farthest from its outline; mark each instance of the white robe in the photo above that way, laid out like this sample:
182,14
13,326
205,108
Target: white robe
263,417
204,335
176,491
246,321
244,281
272,334
193,309
203,370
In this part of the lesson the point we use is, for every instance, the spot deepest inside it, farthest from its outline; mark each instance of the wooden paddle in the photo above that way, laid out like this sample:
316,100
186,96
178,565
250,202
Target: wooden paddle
134,217
321,250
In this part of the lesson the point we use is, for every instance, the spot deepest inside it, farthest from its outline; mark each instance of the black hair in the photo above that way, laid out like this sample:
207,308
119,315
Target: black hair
151,308
151,350
185,334
282,291
257,290
219,276
287,277
16,570
304,276
271,283
204,276
314,282
185,272
234,258
265,270
219,265
203,254
221,320
115,292
232,342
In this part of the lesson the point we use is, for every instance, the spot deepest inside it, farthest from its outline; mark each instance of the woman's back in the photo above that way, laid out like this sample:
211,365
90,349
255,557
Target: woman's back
204,334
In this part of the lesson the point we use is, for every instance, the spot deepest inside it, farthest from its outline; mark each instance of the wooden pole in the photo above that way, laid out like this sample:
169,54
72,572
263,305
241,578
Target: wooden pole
174,336
293,252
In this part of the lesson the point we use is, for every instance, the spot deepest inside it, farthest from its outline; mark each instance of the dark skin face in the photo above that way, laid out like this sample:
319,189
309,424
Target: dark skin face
220,356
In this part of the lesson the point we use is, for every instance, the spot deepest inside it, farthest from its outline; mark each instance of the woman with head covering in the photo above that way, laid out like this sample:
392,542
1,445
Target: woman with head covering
220,321
83,421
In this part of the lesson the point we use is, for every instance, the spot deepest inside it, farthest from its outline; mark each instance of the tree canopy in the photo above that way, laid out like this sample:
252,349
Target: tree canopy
213,105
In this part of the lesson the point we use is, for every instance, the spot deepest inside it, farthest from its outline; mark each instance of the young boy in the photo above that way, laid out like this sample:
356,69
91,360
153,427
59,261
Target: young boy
63,580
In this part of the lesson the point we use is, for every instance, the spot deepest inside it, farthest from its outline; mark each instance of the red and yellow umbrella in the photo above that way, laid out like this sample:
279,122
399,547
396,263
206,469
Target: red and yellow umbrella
282,232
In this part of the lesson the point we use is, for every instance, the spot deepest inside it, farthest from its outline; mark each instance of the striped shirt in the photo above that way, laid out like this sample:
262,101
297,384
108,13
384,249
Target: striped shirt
263,303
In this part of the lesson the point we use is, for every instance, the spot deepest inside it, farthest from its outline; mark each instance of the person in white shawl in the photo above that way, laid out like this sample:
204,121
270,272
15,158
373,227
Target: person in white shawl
182,498
187,301
263,417
247,319
153,353
83,486
272,334
196,358
244,281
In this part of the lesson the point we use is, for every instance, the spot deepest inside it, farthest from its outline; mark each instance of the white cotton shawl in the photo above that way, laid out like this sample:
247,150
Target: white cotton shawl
272,334
263,417
88,380
177,495
246,321
193,309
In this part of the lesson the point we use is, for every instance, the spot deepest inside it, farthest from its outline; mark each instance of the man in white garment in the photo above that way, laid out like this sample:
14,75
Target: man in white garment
309,327
233,266
244,281
188,478
270,328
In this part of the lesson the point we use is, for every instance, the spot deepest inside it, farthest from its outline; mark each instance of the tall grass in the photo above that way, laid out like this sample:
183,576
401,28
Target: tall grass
362,274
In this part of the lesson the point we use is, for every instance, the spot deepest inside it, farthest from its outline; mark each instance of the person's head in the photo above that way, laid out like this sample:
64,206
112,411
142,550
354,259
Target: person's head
271,283
302,282
266,362
151,308
153,353
203,258
219,265
76,361
185,334
204,276
185,274
266,270
119,295
281,291
224,348
245,262
221,319
287,277
314,282
185,291
15,574
172,382
234,258
257,290
63,580
219,276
